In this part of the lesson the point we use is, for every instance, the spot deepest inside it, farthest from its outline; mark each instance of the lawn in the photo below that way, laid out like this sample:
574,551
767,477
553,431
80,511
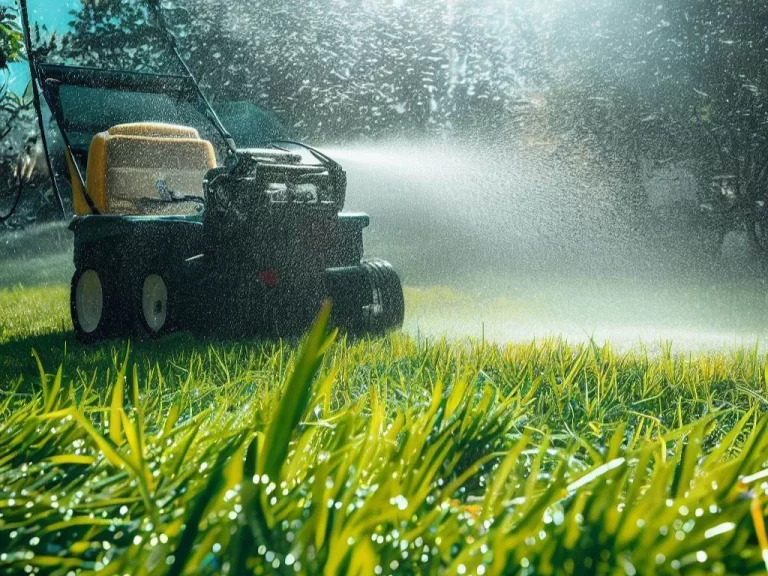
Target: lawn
393,455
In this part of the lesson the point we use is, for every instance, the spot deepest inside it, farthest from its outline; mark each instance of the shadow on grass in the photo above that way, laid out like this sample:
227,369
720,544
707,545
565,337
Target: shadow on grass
62,348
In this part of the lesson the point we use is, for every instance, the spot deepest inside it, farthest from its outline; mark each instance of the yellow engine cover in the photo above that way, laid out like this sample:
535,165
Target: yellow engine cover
126,163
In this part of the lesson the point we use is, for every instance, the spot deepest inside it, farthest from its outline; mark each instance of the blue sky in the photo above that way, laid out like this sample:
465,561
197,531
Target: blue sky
52,13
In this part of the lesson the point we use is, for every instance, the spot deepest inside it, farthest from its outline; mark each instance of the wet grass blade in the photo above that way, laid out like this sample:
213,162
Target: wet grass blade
295,396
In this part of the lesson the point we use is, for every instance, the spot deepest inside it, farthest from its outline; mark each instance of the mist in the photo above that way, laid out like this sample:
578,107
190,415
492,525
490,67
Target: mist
501,243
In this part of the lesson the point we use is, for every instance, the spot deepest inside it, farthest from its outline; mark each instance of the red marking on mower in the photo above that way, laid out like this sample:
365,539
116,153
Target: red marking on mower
268,278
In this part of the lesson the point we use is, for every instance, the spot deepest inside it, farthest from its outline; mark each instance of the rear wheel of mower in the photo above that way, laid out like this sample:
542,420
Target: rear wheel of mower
91,303
86,302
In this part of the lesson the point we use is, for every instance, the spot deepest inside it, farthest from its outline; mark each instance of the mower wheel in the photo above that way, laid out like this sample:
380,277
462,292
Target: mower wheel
387,310
91,305
150,296
367,298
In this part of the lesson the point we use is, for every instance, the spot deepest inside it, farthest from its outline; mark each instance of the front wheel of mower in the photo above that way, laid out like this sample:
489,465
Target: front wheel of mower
387,309
367,298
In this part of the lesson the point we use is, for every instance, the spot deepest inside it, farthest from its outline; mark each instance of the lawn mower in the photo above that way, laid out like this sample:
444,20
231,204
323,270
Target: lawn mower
167,237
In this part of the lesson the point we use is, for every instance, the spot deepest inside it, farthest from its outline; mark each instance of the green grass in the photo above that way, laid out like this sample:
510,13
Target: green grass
377,456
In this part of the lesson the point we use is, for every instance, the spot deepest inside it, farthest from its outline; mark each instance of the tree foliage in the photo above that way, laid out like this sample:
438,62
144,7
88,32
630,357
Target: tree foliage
21,159
11,38
330,69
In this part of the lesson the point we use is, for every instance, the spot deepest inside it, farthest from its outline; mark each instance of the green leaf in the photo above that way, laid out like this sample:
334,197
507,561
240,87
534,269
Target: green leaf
295,397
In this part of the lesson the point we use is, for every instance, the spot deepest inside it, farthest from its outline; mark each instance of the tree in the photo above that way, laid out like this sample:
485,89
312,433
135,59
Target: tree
11,43
11,50
114,34
16,116
703,75
331,69
22,163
